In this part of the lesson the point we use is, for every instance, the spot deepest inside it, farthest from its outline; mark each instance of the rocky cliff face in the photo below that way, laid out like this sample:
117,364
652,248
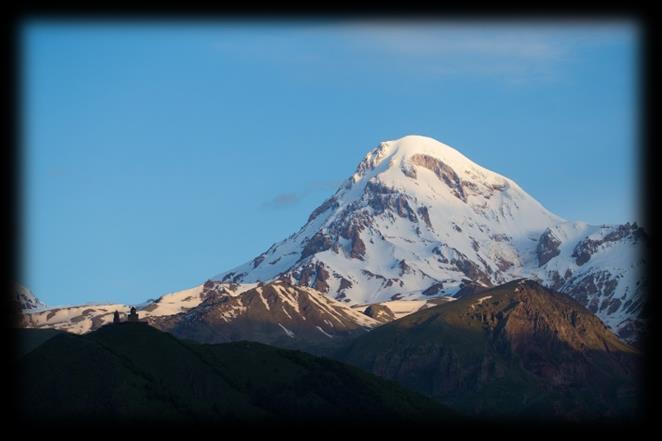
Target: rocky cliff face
418,219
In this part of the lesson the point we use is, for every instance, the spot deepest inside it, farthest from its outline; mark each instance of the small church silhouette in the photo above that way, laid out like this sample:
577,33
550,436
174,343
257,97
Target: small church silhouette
132,317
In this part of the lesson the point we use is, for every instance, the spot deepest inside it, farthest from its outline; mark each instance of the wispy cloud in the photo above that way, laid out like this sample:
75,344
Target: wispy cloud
510,51
506,50
283,200
428,41
291,199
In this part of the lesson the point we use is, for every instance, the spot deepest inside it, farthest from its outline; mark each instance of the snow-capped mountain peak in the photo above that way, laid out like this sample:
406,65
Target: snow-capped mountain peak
438,174
418,219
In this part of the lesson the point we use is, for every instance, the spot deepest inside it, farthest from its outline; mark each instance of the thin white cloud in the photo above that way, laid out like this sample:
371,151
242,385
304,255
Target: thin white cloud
507,50
510,51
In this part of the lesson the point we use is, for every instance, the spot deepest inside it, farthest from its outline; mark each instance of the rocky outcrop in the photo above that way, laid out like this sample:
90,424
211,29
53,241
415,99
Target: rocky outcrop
434,289
381,313
471,270
330,203
445,173
548,247
588,246
383,199
425,215
318,243
314,275
469,287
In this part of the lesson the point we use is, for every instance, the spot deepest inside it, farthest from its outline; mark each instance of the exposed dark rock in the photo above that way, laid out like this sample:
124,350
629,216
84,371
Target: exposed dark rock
433,289
258,260
500,237
321,279
330,203
404,268
410,172
547,248
442,259
589,288
233,277
376,187
468,287
371,274
344,284
587,247
503,264
403,209
425,214
358,247
318,243
381,313
471,270
445,173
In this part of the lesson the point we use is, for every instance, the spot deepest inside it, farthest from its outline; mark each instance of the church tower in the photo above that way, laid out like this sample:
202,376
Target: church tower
133,315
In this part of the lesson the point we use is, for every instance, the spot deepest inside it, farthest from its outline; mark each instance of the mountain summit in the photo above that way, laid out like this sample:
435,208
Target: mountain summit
418,219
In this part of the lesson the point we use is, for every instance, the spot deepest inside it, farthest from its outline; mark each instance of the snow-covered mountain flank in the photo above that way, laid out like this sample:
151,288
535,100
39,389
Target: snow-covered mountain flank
275,313
419,220
85,318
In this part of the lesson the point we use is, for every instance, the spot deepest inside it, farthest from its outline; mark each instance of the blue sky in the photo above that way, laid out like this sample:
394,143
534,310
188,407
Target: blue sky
156,155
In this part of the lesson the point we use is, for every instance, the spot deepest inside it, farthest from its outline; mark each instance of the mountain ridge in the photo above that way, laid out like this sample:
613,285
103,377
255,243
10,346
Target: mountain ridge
516,349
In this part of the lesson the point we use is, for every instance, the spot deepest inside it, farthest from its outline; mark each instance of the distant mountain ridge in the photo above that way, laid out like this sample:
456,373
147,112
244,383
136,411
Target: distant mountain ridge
276,313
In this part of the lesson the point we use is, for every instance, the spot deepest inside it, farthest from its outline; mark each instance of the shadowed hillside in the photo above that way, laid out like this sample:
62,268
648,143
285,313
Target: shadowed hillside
133,372
514,350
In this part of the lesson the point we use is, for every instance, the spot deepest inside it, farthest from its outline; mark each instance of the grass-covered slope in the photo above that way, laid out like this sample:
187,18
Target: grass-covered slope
133,372
517,349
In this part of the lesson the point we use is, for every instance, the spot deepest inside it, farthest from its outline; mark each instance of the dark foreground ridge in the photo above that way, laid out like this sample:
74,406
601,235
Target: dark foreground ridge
133,373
